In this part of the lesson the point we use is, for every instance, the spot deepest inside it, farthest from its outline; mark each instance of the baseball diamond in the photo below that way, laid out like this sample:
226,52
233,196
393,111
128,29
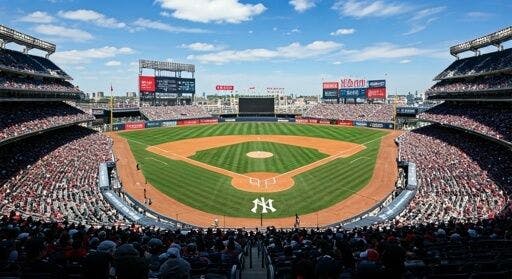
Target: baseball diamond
216,177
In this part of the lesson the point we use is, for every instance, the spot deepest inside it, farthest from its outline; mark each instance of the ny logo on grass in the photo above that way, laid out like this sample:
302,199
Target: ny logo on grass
265,205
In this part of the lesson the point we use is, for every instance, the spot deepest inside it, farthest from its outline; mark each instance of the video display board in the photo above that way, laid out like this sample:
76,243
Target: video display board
256,105
175,85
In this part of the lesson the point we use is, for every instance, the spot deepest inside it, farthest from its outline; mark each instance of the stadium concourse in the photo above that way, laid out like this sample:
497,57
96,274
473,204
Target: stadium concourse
57,224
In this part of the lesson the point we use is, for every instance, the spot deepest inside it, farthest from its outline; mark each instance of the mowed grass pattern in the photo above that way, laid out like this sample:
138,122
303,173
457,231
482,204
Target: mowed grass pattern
212,192
233,157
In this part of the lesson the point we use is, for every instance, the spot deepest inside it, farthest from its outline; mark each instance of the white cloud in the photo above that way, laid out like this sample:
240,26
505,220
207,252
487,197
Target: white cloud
37,17
336,62
87,55
113,63
63,32
201,47
343,31
94,17
230,11
423,18
143,23
478,16
405,61
368,8
302,5
291,51
384,51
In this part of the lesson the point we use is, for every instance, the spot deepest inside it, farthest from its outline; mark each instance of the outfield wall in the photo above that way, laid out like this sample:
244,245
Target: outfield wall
277,119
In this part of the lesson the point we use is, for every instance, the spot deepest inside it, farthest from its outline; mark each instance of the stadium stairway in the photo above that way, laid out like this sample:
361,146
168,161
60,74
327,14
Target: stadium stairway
254,268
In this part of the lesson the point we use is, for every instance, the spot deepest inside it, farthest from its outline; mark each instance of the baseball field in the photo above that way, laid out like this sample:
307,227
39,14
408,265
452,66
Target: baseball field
242,170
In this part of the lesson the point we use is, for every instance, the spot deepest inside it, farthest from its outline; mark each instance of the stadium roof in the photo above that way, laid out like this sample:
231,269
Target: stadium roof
496,39
166,66
8,35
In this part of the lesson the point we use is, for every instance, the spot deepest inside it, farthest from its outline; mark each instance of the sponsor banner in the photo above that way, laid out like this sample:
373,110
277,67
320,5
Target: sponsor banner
153,124
411,111
377,83
169,123
312,120
345,122
330,85
134,125
209,120
230,120
352,83
283,120
98,111
188,122
224,87
360,123
301,120
118,127
380,125
376,93
324,121
356,93
330,94
147,84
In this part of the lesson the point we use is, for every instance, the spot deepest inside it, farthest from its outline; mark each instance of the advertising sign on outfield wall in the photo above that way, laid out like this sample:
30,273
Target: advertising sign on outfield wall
134,125
209,120
345,122
169,123
301,120
324,121
360,123
153,124
188,122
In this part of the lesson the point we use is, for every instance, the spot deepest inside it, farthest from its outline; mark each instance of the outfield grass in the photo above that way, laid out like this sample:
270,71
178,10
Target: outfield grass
212,192
233,157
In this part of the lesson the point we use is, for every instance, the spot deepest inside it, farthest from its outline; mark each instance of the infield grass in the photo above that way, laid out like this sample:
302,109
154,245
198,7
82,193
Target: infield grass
212,192
233,157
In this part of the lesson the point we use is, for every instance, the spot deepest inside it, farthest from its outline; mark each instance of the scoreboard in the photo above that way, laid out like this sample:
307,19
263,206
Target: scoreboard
175,85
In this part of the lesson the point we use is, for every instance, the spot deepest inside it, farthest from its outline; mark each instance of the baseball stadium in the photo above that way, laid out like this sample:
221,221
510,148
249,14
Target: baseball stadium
352,180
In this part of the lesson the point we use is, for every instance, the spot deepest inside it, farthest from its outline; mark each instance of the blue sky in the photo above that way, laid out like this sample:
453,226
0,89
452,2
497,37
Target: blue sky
294,44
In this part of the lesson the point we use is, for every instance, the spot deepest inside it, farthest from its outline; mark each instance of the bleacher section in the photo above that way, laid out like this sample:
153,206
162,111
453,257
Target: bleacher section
460,176
31,64
491,119
479,65
354,112
54,176
174,112
22,118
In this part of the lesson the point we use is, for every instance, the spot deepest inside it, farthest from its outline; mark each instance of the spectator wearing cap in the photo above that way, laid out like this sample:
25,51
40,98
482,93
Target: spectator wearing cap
368,265
174,267
128,264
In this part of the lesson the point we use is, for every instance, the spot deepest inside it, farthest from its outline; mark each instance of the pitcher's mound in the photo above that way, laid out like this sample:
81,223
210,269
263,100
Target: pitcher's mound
259,154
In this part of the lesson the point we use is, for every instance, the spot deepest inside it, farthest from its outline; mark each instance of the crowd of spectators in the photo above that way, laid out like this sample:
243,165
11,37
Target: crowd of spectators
494,120
359,112
36,84
478,65
19,118
175,112
494,82
54,176
460,176
34,249
18,61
